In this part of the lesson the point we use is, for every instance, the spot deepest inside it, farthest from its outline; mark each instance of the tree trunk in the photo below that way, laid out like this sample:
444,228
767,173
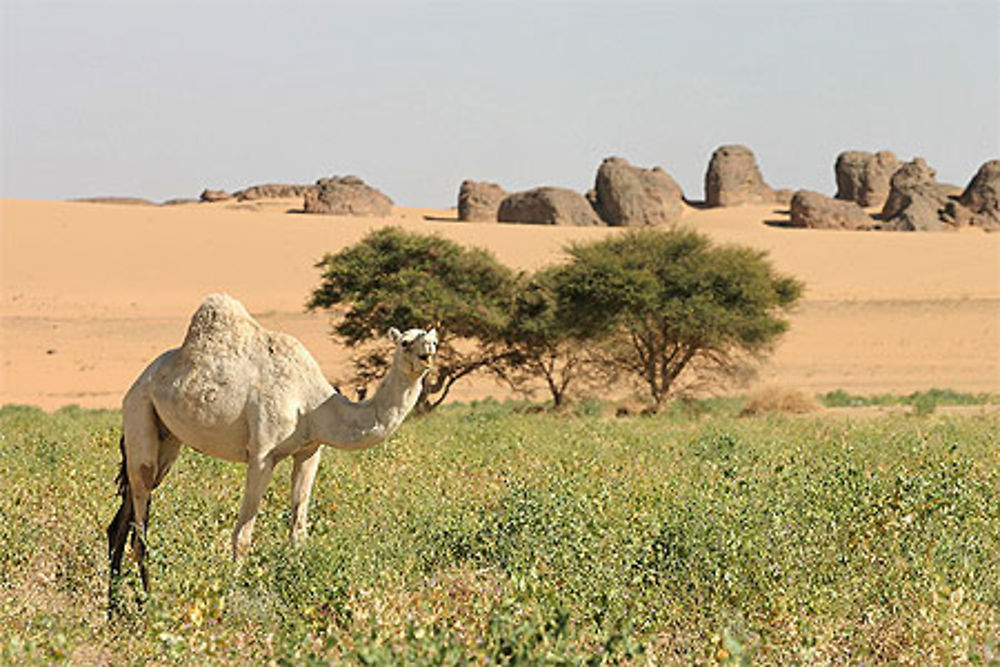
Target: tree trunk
557,399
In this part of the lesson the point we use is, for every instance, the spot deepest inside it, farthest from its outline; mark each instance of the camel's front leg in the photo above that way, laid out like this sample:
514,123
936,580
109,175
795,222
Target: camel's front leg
303,475
258,476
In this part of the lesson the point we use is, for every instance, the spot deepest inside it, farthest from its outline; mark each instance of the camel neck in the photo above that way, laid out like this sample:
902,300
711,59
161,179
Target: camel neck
395,396
345,424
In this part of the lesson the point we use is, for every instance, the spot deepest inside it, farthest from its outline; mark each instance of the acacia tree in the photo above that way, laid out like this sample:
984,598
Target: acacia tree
396,278
663,302
541,344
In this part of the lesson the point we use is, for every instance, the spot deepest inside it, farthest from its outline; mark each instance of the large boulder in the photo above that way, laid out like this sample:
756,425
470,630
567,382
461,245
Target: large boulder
273,191
548,206
346,195
981,196
916,201
816,211
733,178
478,201
913,177
864,177
628,196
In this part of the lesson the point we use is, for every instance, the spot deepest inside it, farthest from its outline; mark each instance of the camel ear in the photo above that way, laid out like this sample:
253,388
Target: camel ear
432,336
394,335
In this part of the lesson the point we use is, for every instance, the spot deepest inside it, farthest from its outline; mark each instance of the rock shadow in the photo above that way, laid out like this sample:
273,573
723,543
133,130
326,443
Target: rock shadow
783,224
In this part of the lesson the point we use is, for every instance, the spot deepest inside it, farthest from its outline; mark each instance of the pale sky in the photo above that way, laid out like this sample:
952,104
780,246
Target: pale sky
163,99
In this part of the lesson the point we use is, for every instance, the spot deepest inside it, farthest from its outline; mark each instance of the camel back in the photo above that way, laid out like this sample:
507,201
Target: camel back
221,327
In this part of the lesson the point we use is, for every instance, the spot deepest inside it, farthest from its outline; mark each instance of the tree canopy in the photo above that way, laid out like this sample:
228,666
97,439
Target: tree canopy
541,344
646,304
397,278
665,301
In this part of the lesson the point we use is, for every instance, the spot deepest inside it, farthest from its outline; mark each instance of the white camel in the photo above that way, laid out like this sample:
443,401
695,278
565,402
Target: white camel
235,391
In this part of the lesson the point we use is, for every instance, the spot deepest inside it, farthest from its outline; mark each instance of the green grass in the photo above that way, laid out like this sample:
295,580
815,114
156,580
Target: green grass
483,533
923,402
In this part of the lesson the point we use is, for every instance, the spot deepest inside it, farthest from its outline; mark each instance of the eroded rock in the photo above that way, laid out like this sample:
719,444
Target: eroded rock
817,211
273,191
346,195
629,196
981,197
733,178
864,177
479,201
548,206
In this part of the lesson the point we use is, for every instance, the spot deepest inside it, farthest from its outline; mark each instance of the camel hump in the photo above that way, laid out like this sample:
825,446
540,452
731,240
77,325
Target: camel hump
221,322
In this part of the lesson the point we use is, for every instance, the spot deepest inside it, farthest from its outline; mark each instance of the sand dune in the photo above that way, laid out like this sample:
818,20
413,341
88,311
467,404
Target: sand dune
92,292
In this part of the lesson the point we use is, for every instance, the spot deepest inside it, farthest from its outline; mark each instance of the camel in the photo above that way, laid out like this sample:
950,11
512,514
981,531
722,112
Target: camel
236,391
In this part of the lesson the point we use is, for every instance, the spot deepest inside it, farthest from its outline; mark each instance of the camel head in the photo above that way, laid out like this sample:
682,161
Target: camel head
415,349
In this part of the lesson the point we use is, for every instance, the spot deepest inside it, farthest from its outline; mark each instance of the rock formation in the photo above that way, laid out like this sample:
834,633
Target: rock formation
478,201
734,178
916,201
346,195
548,206
214,195
630,196
816,211
981,197
864,177
273,191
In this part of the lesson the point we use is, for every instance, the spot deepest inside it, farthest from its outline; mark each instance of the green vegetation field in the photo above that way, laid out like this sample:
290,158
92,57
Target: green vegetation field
483,534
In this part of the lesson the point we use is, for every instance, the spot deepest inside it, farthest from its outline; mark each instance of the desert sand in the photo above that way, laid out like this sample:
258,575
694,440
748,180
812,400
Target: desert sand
91,293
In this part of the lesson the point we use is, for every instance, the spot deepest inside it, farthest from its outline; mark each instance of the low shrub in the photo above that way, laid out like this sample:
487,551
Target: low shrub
774,399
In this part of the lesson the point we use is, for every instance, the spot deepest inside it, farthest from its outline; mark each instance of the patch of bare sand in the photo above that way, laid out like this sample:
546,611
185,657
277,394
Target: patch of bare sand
90,293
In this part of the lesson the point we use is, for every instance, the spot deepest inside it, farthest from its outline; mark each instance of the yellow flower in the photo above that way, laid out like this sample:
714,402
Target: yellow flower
194,615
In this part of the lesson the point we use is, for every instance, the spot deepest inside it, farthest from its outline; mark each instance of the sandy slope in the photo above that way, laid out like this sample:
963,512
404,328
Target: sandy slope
92,292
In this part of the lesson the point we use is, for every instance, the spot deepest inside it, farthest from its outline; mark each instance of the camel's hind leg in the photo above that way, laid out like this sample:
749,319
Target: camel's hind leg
167,454
148,451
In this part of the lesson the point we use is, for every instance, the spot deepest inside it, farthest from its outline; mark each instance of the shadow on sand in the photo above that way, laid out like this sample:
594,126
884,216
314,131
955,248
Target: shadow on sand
698,204
783,224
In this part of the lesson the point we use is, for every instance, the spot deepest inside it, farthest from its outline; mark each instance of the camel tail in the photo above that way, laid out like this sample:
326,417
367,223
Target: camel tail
119,528
122,479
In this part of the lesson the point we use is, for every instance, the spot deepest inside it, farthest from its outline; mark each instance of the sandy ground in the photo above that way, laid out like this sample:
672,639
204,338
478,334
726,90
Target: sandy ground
90,293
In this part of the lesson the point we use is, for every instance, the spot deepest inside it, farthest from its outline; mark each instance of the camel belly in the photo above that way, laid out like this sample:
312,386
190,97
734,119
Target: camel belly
206,414
217,438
